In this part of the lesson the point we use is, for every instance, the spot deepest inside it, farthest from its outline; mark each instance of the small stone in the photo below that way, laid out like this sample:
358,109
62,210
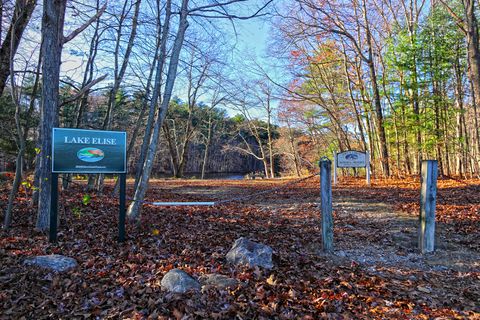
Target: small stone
178,281
341,254
219,281
54,262
245,251
424,289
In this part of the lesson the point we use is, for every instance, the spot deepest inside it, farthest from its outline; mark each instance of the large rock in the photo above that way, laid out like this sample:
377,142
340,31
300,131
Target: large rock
245,251
54,262
179,281
218,281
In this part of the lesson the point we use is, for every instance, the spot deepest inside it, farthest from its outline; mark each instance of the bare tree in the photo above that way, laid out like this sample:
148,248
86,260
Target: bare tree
255,134
198,71
350,21
286,115
22,132
20,18
134,208
52,44
211,125
210,10
120,69
468,24
163,30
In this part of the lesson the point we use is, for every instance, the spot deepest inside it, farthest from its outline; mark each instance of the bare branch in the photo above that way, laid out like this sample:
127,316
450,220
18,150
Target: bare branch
216,4
224,14
458,21
77,31
82,91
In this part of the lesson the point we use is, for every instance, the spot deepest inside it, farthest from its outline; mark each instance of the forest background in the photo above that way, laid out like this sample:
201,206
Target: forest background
399,79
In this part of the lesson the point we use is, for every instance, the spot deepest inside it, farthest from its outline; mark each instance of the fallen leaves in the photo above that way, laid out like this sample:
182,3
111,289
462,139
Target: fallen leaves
123,280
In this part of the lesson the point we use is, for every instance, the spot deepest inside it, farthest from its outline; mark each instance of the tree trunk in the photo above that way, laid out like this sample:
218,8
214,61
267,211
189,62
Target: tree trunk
186,142
172,147
139,123
376,96
459,139
207,146
415,96
135,206
379,117
352,99
163,34
473,48
446,139
21,151
21,16
367,111
52,30
265,167
89,68
120,73
270,140
296,160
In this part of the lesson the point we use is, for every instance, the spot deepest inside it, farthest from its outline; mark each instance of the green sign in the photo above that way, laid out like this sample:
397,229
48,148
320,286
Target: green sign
88,151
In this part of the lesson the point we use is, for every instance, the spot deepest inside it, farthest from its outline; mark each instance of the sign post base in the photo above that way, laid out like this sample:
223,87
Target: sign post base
122,211
52,237
88,151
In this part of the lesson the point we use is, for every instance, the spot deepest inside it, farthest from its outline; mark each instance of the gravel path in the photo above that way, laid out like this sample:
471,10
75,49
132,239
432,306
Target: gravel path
374,234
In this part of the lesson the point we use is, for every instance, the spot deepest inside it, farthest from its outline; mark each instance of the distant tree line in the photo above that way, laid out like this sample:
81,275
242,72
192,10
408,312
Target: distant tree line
400,79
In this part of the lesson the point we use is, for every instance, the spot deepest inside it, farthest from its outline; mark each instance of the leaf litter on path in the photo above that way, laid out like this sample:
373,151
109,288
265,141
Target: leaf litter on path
375,272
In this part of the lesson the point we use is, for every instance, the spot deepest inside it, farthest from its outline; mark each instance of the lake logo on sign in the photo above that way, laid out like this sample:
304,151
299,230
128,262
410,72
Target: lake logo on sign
351,157
90,154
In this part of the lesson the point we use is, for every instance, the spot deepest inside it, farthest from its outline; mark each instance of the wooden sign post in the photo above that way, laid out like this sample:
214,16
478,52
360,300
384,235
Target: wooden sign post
326,204
428,199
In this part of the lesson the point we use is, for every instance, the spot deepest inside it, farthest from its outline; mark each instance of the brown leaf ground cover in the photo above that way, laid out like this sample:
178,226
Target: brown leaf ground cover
375,272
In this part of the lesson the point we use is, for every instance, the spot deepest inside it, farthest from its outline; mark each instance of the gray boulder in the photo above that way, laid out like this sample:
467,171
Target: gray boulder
245,251
178,281
53,262
219,281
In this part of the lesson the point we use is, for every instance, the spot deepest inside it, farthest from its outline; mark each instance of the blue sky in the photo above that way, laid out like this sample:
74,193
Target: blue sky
253,35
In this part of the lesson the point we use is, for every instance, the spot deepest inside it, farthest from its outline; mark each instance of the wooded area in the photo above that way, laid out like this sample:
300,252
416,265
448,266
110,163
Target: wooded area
397,79
201,95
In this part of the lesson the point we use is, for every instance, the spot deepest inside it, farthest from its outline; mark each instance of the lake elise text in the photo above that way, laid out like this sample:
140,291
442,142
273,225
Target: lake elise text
90,140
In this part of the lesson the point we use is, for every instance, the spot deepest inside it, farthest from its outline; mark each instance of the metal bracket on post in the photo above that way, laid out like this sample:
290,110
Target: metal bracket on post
122,207
53,207
428,198
326,204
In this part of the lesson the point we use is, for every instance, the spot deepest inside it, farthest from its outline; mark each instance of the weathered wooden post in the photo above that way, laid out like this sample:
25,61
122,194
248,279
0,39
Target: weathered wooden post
326,204
367,166
428,199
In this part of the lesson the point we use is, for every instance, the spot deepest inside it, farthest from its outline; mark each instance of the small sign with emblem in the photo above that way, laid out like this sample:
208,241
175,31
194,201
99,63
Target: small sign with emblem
351,159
